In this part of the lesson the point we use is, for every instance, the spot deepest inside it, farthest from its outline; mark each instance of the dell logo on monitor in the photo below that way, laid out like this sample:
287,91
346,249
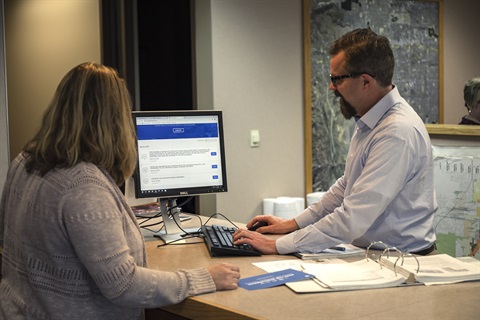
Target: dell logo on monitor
183,193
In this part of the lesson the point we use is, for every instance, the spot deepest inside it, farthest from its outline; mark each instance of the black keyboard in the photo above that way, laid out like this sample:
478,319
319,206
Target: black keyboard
218,240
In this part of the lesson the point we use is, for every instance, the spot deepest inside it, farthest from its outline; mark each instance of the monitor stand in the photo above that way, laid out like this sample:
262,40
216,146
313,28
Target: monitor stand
171,231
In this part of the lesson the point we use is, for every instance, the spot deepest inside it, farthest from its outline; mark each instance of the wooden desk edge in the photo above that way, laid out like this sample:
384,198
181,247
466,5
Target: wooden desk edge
191,308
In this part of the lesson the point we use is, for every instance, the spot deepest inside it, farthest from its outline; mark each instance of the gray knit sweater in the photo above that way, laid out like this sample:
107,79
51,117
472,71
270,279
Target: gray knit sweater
73,250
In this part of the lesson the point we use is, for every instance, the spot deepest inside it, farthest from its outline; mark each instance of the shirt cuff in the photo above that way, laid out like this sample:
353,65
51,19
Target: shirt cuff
285,244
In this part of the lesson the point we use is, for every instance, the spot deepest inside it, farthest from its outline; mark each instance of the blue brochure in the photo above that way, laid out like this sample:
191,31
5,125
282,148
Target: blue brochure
273,279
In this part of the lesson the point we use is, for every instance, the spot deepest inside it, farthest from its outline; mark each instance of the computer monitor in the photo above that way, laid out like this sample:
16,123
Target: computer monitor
180,153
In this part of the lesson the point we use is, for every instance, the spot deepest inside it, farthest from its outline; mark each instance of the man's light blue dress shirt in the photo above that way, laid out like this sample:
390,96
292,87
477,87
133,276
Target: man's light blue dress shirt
386,193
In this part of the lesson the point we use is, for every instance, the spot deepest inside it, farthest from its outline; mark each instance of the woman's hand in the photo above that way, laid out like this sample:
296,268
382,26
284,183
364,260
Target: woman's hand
225,276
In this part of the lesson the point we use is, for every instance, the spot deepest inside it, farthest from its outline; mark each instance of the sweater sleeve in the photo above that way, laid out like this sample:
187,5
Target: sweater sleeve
110,246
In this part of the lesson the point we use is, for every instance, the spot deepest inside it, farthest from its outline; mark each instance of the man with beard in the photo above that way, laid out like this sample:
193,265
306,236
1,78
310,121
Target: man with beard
386,193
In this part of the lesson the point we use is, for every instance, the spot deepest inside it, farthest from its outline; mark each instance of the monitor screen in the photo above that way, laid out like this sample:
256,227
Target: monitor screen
180,153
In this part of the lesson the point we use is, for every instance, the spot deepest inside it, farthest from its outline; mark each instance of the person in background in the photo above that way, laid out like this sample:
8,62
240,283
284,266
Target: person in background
72,248
387,192
471,95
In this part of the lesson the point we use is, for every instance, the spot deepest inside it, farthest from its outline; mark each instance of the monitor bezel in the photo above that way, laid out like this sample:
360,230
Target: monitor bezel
187,191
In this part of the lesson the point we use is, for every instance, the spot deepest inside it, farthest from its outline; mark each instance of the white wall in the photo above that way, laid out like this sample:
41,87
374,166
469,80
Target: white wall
257,71
257,76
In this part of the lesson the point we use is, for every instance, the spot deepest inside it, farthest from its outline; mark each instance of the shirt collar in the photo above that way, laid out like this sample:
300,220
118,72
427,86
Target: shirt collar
371,118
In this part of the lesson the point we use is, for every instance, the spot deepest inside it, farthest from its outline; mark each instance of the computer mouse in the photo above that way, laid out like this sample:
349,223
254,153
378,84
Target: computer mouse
257,225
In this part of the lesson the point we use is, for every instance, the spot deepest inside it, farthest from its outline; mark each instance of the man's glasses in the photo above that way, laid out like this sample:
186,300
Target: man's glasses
337,80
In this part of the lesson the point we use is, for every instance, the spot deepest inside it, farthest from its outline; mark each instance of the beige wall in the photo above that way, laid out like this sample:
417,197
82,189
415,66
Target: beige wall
461,54
255,71
44,39
4,145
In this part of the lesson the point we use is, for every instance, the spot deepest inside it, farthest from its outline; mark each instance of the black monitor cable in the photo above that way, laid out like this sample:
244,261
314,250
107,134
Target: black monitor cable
198,234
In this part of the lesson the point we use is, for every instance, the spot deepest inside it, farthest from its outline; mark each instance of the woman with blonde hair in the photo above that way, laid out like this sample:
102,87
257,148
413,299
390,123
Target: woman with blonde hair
72,248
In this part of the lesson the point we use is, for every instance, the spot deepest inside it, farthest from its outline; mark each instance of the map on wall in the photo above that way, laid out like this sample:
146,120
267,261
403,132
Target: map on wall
457,184
411,27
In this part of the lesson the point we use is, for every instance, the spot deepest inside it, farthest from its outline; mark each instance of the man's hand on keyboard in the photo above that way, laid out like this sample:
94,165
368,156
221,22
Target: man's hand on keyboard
272,224
258,241
225,276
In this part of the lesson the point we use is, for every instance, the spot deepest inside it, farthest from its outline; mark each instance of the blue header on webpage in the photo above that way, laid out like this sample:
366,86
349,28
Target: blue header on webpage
177,131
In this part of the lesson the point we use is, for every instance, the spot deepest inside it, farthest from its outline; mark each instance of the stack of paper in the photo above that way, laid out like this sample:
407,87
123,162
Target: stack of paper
340,251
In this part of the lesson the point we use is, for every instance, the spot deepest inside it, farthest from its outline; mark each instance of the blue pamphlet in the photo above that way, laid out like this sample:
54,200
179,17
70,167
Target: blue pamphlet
273,279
